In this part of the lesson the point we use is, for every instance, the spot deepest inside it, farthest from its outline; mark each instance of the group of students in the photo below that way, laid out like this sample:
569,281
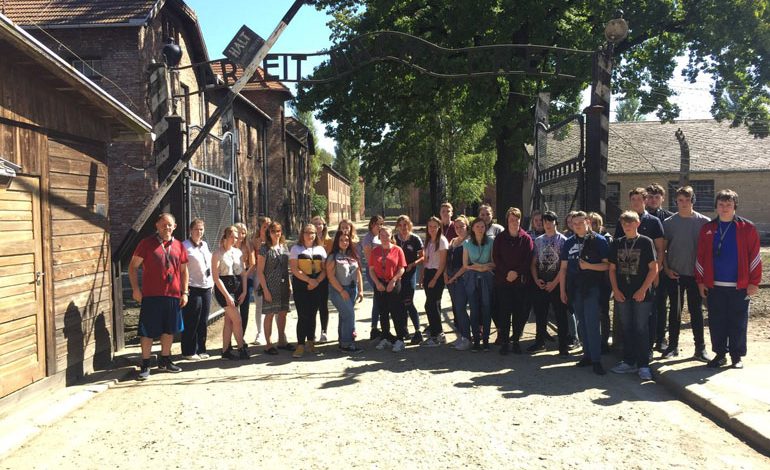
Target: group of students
494,274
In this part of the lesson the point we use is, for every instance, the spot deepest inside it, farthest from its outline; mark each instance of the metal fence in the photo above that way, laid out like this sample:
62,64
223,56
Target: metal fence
559,166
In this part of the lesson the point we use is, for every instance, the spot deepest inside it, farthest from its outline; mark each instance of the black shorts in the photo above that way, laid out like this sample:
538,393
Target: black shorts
234,288
160,315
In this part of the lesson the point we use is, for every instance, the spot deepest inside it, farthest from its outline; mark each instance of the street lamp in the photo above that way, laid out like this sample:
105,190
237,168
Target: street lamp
617,29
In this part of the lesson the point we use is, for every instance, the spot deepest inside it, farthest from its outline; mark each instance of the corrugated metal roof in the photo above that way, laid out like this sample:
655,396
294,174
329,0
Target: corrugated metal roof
78,12
652,147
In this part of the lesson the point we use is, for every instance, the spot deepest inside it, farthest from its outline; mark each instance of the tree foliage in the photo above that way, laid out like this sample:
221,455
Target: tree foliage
627,110
393,111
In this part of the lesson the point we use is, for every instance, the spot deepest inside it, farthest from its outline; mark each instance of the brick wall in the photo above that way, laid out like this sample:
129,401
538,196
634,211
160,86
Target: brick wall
750,186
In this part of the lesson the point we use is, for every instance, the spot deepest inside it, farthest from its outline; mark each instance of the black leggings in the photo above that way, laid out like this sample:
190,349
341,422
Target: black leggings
433,301
323,304
389,304
306,302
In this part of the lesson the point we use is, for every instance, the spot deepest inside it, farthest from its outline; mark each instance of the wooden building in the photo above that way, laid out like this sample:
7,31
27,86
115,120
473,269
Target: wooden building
55,286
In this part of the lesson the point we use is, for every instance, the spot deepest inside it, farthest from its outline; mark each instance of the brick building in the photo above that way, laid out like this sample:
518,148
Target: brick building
243,169
336,189
721,157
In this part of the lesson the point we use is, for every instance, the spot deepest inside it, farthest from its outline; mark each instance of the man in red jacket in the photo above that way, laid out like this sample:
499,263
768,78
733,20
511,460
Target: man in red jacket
728,270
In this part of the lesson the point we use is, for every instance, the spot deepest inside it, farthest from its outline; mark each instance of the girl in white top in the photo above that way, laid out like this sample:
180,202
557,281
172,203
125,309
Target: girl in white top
230,290
432,279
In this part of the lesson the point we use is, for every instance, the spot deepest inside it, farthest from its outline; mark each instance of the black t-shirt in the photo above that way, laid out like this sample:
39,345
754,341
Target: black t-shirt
661,213
649,226
632,260
411,247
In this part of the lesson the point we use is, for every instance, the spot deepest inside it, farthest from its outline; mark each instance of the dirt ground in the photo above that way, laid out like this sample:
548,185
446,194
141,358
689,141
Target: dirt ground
423,408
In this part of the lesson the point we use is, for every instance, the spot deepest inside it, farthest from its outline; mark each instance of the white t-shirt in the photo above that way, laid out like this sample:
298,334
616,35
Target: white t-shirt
432,260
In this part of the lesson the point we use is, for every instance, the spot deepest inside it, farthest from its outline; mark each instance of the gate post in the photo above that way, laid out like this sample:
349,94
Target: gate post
597,133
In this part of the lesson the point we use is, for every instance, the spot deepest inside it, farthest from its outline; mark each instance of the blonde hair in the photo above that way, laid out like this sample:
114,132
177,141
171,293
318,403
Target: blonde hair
226,234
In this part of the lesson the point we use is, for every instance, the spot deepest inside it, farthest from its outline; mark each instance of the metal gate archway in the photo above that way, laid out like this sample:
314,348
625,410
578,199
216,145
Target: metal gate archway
560,170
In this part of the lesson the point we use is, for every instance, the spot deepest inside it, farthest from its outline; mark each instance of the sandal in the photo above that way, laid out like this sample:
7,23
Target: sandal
287,347
272,351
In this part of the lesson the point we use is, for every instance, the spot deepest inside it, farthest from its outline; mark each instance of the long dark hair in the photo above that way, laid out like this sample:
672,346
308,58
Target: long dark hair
269,239
437,239
478,220
336,246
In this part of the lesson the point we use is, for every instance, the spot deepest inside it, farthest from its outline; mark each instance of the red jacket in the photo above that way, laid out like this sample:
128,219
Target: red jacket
749,261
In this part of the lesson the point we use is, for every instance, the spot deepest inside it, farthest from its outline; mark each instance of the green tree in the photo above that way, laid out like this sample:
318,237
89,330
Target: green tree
385,105
348,162
627,110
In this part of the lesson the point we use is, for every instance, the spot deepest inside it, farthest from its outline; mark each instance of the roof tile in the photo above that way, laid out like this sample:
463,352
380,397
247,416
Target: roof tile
77,12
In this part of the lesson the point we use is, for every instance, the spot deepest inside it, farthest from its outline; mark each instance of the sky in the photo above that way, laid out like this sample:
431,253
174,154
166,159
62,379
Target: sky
308,32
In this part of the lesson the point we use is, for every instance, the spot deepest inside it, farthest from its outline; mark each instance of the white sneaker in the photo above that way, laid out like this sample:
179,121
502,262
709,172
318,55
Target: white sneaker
430,343
645,373
194,357
465,344
398,346
384,343
441,338
323,337
623,368
204,355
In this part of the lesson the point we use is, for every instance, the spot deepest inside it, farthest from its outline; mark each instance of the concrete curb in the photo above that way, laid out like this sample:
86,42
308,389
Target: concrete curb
750,427
16,429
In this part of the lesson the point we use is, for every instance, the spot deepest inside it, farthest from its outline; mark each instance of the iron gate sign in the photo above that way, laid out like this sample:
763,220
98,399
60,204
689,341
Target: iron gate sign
414,52
244,47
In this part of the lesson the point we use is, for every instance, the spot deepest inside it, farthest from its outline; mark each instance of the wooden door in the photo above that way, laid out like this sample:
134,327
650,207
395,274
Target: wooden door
22,322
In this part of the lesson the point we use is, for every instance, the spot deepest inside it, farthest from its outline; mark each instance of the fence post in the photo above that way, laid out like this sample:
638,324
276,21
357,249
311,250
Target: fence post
597,132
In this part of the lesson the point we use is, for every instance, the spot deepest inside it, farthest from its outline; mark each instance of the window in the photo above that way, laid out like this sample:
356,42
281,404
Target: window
613,194
704,195
91,68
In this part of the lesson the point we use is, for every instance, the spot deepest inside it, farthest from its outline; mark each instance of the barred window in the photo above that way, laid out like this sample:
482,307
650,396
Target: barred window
704,195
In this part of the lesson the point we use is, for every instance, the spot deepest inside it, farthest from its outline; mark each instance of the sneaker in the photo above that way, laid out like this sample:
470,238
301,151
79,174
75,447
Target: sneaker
398,346
310,347
323,337
537,347
299,351
485,346
670,353
516,348
738,364
574,344
465,344
416,338
430,343
718,361
204,355
351,349
375,334
168,365
441,338
476,346
258,341
584,362
703,355
563,353
194,357
456,342
384,343
645,373
623,368
243,352
228,354
599,369
144,373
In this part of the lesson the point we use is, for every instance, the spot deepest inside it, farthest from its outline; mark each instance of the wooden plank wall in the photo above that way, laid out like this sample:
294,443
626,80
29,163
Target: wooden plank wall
80,248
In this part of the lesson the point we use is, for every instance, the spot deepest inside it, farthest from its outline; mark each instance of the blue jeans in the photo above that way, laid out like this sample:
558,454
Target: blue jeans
728,320
408,286
375,307
635,319
347,314
478,289
585,301
459,307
